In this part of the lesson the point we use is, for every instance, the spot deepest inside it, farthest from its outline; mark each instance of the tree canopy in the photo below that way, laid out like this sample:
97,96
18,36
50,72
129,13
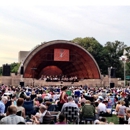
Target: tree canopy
107,55
13,68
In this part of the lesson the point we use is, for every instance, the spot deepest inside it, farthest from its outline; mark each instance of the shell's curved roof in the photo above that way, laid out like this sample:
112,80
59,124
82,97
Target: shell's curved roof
40,61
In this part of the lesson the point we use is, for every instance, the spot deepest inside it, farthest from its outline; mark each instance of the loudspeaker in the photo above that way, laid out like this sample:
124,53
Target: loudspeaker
6,70
21,71
113,73
112,85
22,84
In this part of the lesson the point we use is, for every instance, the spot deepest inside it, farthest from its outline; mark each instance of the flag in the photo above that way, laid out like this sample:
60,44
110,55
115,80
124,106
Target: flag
125,52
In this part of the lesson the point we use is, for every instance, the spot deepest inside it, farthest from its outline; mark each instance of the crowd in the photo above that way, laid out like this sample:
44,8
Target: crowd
63,104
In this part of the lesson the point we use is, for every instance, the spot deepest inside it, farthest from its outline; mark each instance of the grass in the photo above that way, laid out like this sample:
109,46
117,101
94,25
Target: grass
113,119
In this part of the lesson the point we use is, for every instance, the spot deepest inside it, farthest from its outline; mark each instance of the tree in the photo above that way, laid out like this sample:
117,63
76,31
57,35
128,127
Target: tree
0,71
112,51
93,47
107,56
14,67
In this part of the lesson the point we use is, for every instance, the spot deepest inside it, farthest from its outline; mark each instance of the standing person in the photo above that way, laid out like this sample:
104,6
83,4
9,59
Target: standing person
63,97
118,104
121,112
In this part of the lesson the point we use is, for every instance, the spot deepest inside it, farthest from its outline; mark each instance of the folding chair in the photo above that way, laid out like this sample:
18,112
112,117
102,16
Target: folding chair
72,115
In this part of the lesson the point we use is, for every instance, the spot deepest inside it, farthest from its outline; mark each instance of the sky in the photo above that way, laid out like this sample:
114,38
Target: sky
25,24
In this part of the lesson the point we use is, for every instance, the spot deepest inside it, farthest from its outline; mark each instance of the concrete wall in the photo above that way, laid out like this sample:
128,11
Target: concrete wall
16,79
6,80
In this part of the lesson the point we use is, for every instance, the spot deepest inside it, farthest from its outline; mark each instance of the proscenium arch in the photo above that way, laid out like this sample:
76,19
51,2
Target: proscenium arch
81,64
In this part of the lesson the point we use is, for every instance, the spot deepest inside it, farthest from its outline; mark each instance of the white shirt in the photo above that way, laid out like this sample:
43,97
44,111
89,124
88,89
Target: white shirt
56,96
42,115
129,120
69,104
102,107
12,119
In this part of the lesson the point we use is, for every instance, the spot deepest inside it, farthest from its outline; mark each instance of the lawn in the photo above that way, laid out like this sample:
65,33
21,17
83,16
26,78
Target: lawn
113,119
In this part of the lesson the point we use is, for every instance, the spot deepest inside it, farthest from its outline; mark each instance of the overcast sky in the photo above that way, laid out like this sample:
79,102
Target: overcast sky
25,25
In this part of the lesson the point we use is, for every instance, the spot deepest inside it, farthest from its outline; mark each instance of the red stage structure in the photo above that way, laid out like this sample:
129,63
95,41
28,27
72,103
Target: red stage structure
60,57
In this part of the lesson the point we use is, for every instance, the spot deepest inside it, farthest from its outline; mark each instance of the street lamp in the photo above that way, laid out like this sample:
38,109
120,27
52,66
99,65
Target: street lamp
109,74
124,59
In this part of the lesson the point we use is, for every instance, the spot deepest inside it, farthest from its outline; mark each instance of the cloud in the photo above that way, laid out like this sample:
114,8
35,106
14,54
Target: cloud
24,27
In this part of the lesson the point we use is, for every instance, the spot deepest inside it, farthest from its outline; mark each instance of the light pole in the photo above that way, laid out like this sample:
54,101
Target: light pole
109,74
124,58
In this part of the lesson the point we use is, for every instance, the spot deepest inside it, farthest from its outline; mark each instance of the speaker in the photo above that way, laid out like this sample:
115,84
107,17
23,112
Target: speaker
112,85
113,73
21,71
22,84
6,70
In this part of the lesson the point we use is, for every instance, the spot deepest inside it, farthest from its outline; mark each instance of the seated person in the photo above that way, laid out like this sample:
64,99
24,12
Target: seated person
49,106
29,107
97,111
70,103
88,111
70,110
38,118
102,121
102,108
61,119
20,107
3,102
11,117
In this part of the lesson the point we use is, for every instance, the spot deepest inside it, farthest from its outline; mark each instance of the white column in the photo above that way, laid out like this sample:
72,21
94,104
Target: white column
109,74
21,78
124,72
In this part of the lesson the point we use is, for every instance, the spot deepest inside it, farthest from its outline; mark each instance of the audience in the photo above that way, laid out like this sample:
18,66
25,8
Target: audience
20,107
38,118
61,119
36,102
2,104
88,112
11,117
70,103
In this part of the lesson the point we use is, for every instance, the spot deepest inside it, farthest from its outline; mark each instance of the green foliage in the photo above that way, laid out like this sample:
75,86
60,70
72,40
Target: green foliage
14,67
0,71
114,119
92,46
128,68
115,50
106,56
